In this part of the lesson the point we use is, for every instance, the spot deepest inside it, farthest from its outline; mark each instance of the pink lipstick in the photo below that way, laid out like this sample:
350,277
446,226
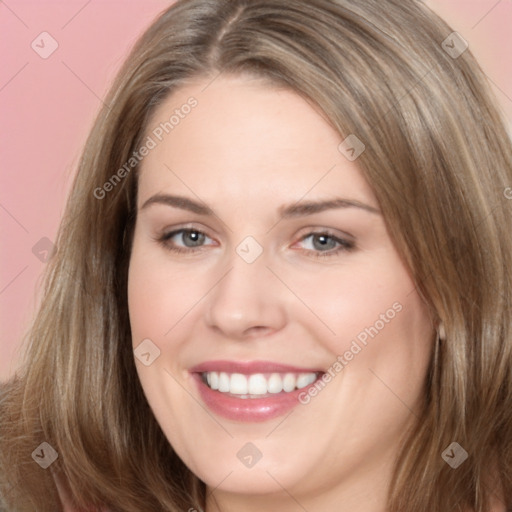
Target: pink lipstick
252,391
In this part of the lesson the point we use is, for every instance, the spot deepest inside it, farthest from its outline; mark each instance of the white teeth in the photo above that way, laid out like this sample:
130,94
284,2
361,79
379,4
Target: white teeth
224,382
258,384
275,383
305,379
289,382
214,380
238,384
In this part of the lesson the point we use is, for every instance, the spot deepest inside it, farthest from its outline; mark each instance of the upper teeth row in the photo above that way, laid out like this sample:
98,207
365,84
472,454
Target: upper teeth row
258,383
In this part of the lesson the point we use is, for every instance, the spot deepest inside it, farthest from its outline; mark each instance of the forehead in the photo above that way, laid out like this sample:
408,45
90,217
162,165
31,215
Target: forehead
245,139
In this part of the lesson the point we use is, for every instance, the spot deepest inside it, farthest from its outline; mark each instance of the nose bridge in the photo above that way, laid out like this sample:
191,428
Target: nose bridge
248,294
245,279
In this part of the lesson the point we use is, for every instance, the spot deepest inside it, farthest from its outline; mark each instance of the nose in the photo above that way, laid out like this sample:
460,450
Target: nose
248,301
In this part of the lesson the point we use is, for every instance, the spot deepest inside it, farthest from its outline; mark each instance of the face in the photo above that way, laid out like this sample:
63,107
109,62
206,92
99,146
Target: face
278,335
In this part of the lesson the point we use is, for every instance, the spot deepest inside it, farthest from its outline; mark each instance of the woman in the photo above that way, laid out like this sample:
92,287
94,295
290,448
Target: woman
282,278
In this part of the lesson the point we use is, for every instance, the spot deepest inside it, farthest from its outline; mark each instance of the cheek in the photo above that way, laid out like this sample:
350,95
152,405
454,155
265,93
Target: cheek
159,295
156,302
363,300
368,294
370,314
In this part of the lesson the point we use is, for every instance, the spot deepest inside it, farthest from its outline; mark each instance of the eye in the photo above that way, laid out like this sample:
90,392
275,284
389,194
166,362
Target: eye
191,240
325,244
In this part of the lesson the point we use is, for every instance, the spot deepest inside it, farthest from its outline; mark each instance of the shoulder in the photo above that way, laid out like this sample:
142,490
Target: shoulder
64,493
65,496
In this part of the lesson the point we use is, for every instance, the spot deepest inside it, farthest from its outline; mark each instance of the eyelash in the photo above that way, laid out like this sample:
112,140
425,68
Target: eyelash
344,245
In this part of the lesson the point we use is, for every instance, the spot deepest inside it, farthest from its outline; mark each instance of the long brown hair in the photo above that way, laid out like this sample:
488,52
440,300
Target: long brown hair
440,163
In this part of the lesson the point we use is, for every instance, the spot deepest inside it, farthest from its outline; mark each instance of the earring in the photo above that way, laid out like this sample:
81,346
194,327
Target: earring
441,332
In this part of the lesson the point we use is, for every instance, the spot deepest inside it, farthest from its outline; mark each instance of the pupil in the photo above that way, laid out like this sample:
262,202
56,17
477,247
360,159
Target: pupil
322,240
195,236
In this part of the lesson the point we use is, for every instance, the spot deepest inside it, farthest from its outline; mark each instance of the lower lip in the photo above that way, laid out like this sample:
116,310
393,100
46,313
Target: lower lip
248,409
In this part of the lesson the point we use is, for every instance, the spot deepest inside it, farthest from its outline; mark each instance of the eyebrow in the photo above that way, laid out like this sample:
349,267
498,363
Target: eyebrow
298,209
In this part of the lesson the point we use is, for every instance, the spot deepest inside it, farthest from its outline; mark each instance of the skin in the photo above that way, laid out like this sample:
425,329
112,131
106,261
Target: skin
245,150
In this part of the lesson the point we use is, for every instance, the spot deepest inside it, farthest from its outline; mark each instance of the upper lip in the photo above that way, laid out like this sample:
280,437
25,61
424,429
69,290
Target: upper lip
249,367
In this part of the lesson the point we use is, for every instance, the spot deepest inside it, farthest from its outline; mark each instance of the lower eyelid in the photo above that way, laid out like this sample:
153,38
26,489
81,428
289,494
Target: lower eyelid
343,244
167,236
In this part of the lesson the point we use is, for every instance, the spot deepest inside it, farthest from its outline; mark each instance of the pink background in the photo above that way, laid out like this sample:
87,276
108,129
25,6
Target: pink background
47,107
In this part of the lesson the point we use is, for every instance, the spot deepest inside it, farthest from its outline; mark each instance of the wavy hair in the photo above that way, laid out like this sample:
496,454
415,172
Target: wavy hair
439,160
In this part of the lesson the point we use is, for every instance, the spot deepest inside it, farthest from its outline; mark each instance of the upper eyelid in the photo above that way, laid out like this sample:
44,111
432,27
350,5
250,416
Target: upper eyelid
345,237
184,229
330,232
307,230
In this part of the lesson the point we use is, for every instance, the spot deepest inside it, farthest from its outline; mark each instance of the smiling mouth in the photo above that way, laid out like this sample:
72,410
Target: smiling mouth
257,385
